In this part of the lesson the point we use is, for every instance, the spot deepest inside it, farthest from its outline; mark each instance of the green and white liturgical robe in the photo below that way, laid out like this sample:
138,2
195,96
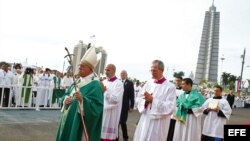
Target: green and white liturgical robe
188,124
26,88
57,91
70,128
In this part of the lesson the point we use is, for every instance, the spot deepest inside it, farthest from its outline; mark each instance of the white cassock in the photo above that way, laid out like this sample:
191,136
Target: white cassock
17,88
213,124
191,131
155,118
112,108
137,89
44,89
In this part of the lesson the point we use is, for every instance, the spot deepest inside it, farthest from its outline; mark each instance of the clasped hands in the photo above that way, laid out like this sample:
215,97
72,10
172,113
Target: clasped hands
148,97
78,97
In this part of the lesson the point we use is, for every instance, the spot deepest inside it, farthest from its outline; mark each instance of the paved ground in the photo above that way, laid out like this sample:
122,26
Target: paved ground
31,125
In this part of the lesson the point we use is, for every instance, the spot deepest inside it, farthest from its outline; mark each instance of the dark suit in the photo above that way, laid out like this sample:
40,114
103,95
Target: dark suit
127,103
230,99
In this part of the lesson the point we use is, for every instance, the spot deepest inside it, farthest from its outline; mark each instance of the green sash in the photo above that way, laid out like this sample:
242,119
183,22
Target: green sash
194,100
57,83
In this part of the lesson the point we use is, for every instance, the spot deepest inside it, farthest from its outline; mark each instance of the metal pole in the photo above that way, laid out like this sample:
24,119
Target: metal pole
63,66
222,59
243,61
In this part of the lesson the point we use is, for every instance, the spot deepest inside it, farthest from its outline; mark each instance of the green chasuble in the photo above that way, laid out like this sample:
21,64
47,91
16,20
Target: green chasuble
194,100
70,128
26,90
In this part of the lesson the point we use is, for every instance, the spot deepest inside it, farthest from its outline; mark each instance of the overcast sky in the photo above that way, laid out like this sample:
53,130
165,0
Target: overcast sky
133,32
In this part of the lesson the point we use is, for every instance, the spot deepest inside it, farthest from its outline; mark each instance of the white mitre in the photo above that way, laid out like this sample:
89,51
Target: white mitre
90,58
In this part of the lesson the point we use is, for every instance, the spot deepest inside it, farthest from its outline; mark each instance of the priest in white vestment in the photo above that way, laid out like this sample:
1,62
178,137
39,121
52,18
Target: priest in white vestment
137,89
67,81
217,111
157,103
113,94
45,85
179,91
188,113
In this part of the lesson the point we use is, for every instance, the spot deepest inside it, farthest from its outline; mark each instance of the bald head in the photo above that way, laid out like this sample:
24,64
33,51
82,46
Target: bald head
124,74
110,70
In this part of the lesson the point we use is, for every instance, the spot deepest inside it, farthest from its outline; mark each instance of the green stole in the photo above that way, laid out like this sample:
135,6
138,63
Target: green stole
57,92
70,128
27,81
57,82
194,100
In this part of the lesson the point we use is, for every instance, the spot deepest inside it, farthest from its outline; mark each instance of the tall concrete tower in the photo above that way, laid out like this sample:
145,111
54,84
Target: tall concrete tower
79,51
102,62
207,64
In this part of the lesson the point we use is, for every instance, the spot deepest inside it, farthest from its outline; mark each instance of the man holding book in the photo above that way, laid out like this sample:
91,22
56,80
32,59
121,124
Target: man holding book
217,111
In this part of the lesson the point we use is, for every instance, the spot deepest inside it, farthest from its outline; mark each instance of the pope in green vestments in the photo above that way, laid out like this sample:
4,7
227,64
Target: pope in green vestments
70,128
90,96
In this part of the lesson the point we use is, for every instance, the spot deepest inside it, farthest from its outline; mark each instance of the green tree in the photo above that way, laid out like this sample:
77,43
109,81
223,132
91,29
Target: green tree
225,78
179,74
232,78
3,62
231,85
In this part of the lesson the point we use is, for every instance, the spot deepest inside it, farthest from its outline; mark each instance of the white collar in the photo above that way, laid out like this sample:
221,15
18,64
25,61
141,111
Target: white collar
85,80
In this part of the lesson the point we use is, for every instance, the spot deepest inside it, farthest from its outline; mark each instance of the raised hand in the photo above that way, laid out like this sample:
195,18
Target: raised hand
68,101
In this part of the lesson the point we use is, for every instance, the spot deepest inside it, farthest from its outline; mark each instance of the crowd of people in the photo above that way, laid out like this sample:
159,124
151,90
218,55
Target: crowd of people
169,111
27,87
94,109
235,101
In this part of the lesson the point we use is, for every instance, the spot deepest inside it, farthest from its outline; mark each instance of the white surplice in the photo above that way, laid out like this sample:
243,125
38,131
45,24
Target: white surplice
112,108
213,124
155,118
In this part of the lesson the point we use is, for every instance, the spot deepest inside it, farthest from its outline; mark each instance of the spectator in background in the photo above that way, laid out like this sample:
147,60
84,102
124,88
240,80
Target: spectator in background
127,102
67,81
137,89
230,98
6,80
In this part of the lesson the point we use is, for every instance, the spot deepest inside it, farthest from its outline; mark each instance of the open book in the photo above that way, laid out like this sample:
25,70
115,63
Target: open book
213,104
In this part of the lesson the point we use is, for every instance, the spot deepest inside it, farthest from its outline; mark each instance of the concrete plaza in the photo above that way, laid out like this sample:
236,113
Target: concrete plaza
31,125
